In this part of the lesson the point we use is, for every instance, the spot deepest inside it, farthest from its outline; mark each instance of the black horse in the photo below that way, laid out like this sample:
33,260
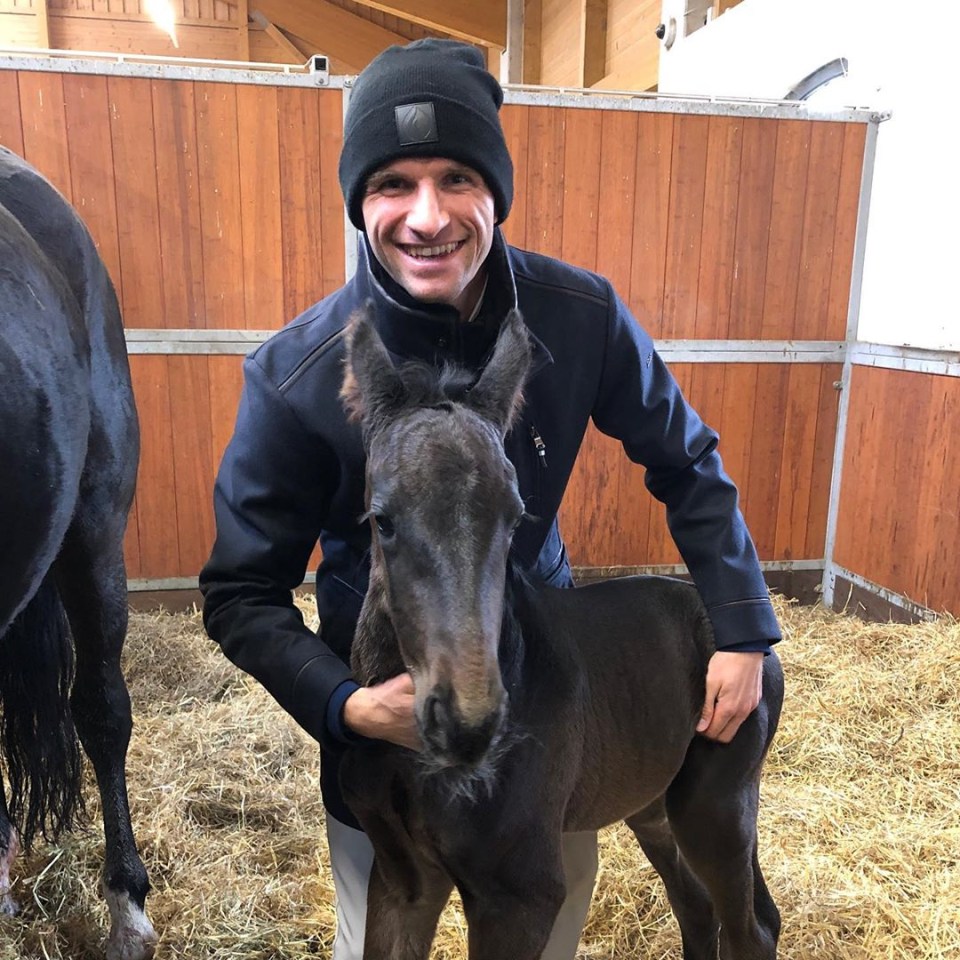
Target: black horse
69,447
540,710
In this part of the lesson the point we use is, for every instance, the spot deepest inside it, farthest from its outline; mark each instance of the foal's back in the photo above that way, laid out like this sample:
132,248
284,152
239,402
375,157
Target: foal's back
641,645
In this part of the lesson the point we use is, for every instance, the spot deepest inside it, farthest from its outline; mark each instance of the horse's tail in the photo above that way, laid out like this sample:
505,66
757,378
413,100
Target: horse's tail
38,741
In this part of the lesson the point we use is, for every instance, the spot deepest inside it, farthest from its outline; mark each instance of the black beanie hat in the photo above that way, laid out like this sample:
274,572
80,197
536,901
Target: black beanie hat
431,98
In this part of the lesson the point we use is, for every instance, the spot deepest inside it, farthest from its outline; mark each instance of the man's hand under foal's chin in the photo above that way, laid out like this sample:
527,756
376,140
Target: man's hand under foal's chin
385,712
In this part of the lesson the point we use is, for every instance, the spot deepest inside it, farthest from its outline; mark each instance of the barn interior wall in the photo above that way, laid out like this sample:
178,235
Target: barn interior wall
899,521
713,228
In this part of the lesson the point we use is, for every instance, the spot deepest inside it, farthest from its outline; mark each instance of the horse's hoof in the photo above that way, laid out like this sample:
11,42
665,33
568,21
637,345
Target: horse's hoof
132,936
130,944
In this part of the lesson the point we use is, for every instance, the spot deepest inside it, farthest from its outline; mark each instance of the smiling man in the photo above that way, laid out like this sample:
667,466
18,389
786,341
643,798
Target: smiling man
427,179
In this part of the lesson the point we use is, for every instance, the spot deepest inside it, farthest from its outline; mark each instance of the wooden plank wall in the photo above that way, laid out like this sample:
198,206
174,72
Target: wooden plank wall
217,206
214,206
709,228
899,520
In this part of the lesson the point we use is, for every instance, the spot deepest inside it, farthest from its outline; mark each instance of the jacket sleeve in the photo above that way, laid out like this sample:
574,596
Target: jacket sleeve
640,404
270,498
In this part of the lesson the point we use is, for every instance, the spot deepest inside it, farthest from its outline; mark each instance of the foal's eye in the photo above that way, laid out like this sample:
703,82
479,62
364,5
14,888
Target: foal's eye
384,526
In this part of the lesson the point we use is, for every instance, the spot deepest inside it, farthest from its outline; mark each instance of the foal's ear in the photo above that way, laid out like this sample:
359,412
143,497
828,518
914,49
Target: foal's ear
498,394
371,384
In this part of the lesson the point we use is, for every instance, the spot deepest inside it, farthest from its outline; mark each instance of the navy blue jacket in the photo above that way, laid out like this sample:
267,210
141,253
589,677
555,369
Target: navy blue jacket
294,469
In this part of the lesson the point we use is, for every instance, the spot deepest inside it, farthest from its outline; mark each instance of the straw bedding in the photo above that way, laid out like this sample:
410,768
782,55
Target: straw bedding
859,835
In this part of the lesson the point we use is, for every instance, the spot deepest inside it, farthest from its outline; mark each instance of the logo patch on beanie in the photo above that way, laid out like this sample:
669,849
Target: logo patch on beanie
416,123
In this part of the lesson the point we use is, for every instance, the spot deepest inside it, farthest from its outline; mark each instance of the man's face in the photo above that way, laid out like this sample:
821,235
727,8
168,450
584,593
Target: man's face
430,224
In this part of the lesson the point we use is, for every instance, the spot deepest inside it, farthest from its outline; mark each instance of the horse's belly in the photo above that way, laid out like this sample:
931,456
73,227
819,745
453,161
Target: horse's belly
619,777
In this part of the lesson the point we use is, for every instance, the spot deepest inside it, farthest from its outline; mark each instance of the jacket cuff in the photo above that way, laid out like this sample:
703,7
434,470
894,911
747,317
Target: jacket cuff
745,625
336,728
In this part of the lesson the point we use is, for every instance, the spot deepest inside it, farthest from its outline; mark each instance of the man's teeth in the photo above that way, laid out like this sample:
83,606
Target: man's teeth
431,251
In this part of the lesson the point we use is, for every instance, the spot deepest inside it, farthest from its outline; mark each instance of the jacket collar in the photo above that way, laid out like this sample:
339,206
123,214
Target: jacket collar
434,332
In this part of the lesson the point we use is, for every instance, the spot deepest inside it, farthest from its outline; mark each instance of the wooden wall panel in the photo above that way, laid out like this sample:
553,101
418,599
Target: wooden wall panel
180,226
777,425
44,126
581,193
899,523
90,152
720,198
217,206
11,129
854,141
302,190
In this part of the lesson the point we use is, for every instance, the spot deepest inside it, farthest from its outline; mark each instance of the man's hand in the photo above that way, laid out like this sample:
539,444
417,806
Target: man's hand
384,712
734,687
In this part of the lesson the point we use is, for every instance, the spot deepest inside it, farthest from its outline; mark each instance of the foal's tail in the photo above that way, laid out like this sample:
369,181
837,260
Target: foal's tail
38,742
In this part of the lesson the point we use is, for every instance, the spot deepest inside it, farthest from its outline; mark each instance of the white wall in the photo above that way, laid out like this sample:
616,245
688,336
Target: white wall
898,61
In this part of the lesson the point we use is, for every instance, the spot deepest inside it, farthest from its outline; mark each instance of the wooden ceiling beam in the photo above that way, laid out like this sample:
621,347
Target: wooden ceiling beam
483,22
593,33
331,30
290,50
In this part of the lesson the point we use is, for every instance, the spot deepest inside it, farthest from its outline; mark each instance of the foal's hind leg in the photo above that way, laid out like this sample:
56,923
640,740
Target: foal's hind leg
92,583
691,904
712,807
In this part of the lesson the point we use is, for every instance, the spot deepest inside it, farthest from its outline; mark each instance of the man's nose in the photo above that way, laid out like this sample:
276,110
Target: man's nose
427,215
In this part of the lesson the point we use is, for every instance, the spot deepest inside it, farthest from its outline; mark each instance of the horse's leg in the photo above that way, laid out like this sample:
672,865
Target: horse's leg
691,904
92,582
401,928
511,912
712,807
9,849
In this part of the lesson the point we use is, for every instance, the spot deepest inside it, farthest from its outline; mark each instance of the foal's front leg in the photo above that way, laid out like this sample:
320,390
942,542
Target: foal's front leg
401,927
511,909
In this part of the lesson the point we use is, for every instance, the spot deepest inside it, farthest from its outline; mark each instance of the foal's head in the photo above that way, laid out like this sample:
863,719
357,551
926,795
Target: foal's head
443,502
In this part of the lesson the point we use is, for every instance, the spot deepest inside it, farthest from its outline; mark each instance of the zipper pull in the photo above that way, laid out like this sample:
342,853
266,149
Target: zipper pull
541,447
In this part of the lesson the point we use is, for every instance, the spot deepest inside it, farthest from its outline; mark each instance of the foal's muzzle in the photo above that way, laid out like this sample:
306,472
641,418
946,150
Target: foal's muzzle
450,738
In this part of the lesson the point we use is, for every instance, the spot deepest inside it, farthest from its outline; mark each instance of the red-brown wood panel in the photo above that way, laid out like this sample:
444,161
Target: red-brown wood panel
766,443
796,463
684,226
330,109
899,523
651,212
515,119
261,211
157,506
11,130
581,186
817,233
785,231
719,228
301,190
545,180
193,466
617,196
841,268
757,167
131,544
44,127
138,206
92,171
218,167
179,221
821,476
